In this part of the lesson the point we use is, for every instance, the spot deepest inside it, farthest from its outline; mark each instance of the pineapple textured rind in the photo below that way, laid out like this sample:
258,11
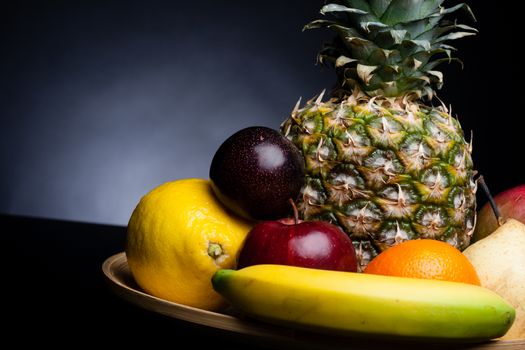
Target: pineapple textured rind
385,171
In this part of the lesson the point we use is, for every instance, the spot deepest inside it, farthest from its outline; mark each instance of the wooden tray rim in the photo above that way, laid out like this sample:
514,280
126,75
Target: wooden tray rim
116,265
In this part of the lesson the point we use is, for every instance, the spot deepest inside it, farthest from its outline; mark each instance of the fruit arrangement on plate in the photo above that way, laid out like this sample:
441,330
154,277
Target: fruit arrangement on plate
356,217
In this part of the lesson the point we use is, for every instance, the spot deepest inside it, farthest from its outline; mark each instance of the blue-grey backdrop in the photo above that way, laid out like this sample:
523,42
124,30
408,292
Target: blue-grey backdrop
103,100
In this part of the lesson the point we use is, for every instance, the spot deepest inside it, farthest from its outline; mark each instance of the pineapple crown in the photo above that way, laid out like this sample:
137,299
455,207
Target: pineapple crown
390,47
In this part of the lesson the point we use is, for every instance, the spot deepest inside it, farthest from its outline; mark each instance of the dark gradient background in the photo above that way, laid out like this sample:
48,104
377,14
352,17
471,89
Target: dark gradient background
100,101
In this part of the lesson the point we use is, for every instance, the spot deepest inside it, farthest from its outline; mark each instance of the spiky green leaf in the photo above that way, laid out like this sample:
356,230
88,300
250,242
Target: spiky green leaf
363,5
403,11
425,44
372,26
398,35
447,47
454,36
380,57
365,72
436,74
361,48
444,11
343,60
379,7
420,26
439,31
319,23
340,8
345,32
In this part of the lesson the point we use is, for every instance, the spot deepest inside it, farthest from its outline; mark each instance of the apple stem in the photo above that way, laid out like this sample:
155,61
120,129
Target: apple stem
493,204
295,211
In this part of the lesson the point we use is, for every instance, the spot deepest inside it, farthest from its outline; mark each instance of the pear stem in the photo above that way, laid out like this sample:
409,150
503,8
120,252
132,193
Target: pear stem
493,204
295,211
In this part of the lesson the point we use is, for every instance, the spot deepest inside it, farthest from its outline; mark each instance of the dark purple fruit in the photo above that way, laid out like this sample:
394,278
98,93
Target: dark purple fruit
256,171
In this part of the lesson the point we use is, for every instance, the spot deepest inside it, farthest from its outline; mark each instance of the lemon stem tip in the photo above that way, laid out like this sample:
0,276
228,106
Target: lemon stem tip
214,250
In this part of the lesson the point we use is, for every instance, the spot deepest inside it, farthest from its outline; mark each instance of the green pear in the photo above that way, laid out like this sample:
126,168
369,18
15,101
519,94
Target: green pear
499,260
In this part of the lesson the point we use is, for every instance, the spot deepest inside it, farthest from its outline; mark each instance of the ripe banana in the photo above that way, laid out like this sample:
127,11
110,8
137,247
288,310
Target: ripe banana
363,304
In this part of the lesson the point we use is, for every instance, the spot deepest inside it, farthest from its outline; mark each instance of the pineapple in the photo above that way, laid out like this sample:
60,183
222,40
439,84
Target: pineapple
382,161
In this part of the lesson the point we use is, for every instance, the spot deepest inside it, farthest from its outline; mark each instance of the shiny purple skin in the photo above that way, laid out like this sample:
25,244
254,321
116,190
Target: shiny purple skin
312,244
256,171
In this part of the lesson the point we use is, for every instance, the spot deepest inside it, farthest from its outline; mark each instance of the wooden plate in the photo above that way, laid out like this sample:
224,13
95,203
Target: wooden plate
121,282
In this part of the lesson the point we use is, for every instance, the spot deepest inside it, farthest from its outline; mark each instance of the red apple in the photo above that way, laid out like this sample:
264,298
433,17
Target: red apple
313,244
511,204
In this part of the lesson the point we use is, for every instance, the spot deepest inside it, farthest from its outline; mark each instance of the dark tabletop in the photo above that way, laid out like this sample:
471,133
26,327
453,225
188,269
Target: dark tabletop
53,291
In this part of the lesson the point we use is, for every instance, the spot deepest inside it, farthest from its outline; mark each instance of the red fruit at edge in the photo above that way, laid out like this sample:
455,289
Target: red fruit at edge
511,204
312,244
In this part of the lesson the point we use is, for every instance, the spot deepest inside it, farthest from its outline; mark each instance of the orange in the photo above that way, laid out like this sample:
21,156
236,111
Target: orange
424,258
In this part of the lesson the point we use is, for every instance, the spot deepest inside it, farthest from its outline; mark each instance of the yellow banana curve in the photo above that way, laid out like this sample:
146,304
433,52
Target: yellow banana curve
363,304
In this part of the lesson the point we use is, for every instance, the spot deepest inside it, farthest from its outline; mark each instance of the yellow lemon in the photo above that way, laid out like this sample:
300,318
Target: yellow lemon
178,236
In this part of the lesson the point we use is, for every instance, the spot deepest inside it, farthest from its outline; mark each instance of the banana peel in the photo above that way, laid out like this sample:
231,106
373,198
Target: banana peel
366,305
